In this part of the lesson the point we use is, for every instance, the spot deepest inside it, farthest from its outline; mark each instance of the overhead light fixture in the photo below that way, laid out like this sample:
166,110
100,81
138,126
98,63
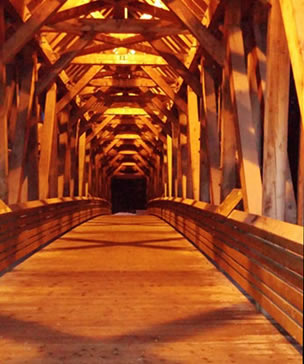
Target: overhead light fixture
127,152
127,136
146,17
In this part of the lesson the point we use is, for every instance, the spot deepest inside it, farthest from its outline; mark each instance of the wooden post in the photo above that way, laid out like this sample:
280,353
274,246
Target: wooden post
165,170
300,214
255,85
228,133
245,130
88,169
47,142
212,136
81,163
175,158
182,182
194,134
64,170
276,117
4,108
169,161
17,160
293,19
73,151
32,162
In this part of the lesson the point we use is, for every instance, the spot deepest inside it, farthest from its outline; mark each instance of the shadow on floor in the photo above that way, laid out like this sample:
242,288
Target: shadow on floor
97,243
53,344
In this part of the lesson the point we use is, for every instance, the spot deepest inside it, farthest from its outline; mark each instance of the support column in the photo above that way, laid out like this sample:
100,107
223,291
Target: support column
182,182
4,108
169,162
300,210
47,145
228,135
212,136
245,129
276,117
81,163
194,134
176,161
17,160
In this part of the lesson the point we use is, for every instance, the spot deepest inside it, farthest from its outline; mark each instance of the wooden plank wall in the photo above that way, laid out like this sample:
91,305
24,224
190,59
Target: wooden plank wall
30,225
264,256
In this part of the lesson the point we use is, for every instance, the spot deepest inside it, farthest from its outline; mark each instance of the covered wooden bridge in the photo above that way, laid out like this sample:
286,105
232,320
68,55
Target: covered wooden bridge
187,117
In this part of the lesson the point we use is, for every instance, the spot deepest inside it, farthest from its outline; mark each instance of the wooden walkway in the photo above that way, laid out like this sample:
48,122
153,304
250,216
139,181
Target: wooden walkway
127,290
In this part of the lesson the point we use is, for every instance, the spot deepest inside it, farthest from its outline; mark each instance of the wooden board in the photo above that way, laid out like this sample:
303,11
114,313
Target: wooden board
249,251
125,289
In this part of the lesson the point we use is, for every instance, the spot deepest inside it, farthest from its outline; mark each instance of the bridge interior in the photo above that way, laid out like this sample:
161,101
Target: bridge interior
125,290
188,112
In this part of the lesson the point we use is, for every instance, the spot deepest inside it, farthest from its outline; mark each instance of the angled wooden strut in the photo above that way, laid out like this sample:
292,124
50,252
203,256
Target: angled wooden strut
61,63
85,79
26,31
207,40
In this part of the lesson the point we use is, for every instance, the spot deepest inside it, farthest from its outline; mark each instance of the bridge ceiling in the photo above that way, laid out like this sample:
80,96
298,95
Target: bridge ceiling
198,96
122,66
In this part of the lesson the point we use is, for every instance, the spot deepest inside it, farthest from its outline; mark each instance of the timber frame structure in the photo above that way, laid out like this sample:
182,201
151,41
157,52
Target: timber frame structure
194,96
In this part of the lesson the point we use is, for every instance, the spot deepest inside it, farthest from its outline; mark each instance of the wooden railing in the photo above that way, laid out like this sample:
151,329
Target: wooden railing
262,255
31,225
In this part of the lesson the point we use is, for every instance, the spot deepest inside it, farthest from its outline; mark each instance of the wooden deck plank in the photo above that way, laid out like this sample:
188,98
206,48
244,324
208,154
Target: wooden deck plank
125,290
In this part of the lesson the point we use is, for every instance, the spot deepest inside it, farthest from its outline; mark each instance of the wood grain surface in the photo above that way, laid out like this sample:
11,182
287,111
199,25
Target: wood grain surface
126,290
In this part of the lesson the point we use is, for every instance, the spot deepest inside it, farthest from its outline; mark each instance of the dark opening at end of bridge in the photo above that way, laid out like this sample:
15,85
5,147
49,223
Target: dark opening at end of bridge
128,194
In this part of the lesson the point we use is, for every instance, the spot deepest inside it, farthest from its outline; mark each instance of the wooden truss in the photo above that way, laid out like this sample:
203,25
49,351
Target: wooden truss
191,95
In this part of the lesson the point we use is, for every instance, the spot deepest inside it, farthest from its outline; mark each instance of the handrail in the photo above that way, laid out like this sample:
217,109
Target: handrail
31,225
262,255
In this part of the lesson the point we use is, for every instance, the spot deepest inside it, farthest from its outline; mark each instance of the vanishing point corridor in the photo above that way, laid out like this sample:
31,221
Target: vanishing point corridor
127,290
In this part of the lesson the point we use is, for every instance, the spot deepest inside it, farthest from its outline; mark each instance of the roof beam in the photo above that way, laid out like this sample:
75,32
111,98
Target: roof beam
120,26
84,80
76,11
212,46
99,128
177,65
123,83
159,80
121,60
62,62
27,30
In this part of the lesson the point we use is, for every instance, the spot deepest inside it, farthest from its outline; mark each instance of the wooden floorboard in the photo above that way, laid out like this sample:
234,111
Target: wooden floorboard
127,290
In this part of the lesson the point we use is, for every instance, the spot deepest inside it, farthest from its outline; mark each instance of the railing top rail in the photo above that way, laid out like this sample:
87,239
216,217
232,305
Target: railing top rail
262,226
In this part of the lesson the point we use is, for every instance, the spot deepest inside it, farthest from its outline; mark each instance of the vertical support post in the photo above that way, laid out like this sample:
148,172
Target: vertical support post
212,136
183,140
300,207
176,168
47,142
276,117
3,118
64,167
32,157
169,161
293,18
17,160
165,170
88,169
73,152
245,129
194,133
81,163
228,133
